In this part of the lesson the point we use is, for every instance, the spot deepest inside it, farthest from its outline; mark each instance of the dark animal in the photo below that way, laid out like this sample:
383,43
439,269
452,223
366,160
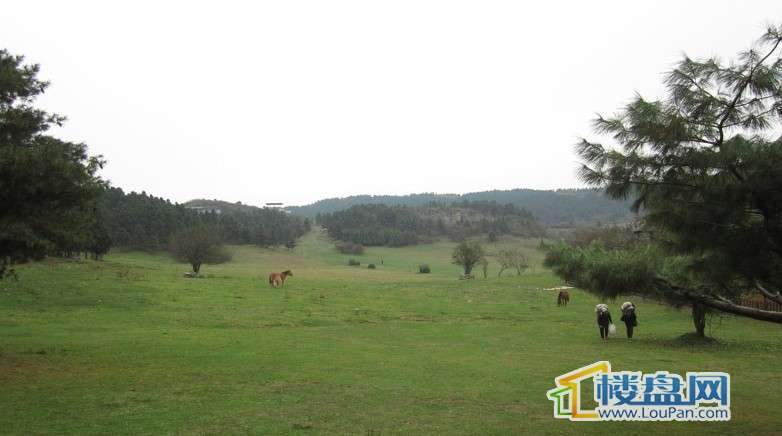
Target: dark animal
278,279
563,298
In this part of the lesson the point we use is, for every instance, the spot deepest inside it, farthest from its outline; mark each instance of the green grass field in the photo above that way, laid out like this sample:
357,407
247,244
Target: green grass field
129,346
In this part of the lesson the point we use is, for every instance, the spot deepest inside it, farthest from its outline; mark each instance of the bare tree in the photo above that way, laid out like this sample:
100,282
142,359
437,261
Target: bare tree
512,259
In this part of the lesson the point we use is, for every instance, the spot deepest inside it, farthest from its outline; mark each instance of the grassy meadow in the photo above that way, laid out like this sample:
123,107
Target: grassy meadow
129,346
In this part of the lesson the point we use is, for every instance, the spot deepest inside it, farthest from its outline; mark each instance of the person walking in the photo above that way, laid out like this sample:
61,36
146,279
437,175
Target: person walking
629,317
603,319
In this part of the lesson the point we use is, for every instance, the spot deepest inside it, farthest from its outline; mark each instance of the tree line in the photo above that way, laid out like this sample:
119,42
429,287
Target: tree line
142,221
53,202
379,224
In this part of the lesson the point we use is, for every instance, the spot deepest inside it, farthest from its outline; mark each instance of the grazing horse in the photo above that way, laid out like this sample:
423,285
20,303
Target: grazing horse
563,298
278,279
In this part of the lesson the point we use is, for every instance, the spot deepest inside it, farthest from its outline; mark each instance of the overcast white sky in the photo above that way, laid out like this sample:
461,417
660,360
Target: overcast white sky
295,101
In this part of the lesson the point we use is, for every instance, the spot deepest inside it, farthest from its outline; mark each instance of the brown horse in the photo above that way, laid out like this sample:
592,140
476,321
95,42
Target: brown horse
278,279
563,298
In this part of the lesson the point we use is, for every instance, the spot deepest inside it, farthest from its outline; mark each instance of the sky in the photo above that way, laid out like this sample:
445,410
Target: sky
295,101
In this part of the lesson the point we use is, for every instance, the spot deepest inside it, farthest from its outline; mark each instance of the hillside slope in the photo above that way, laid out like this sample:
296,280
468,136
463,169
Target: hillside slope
551,208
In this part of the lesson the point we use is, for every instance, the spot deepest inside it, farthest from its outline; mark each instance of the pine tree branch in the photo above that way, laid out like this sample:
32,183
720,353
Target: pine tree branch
775,297
719,303
740,91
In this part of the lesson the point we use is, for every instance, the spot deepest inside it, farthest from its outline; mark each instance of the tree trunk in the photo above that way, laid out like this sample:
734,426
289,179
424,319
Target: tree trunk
500,273
196,267
467,269
699,318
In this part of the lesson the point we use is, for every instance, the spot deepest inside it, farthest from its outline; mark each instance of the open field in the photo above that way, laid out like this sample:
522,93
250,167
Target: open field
129,346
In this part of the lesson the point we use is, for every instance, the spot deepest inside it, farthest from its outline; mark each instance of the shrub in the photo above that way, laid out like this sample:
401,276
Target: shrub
424,269
371,266
349,248
354,262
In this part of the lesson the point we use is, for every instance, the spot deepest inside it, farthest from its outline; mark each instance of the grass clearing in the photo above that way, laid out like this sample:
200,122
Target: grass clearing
129,346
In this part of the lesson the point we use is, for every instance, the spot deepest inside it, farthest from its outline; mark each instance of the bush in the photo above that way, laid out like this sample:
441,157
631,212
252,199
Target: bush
354,262
349,248
424,269
371,266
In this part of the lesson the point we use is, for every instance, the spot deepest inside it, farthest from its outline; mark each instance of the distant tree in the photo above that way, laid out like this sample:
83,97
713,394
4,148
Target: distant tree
99,242
492,236
48,187
705,171
198,245
485,267
512,259
468,254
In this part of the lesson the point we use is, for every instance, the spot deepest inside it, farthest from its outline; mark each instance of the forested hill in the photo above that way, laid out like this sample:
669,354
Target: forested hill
143,221
378,224
556,207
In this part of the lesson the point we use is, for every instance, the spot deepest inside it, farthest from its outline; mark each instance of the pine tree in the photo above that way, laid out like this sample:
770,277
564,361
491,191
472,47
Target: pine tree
702,168
48,187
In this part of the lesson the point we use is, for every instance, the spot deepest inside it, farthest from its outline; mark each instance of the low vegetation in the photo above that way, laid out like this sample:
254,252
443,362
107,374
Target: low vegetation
349,248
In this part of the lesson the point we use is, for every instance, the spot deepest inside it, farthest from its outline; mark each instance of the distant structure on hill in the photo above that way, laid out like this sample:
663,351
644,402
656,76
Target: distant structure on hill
205,209
276,205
